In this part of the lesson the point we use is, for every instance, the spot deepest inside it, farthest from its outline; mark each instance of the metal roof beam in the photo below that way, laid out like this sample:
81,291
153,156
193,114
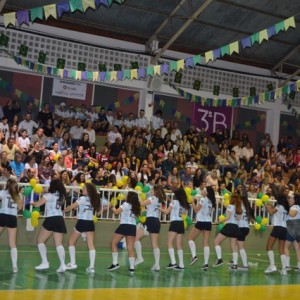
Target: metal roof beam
281,84
2,3
290,54
181,30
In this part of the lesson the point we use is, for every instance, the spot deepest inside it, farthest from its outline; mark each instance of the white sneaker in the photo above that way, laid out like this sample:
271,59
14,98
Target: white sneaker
90,270
138,261
70,266
283,272
15,270
61,269
155,268
270,269
42,266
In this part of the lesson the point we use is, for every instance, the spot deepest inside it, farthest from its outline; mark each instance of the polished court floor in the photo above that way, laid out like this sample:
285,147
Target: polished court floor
192,283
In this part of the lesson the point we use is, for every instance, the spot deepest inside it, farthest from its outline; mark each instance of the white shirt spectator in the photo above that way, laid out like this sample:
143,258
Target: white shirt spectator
156,122
142,123
24,143
92,135
4,128
112,136
29,126
76,132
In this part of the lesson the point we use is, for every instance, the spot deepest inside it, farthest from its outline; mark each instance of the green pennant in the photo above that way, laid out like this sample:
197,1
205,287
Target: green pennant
279,27
76,5
60,63
119,1
3,84
36,13
40,68
225,50
254,38
54,71
197,60
285,89
23,50
89,75
81,66
216,90
107,76
126,74
24,96
267,96
42,57
234,102
4,39
150,71
102,68
109,2
173,66
72,74
250,100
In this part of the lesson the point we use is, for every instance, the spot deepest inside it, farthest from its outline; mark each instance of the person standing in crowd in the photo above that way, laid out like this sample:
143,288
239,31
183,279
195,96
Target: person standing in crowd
28,124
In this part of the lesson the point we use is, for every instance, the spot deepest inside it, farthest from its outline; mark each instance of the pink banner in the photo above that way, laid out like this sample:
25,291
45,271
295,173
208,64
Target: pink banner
212,118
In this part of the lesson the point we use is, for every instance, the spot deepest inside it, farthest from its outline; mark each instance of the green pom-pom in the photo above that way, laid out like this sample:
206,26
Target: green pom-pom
27,191
259,195
140,184
146,189
189,221
26,214
220,227
263,228
258,219
193,193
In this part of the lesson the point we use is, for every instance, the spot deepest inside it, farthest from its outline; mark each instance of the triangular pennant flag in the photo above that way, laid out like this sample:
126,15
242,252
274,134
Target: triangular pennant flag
60,72
254,38
133,74
95,76
113,75
197,60
36,13
234,47
217,53
150,71
279,27
173,66
88,3
290,22
156,70
10,19
246,42
76,5
180,65
50,10
263,35
127,74
63,7
23,17
271,31
209,56
298,85
225,50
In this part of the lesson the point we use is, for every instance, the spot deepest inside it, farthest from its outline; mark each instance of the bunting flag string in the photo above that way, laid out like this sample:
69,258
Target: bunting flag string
55,10
241,101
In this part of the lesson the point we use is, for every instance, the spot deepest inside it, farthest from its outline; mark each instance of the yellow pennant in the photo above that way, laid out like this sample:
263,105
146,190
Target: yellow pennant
50,10
133,74
209,56
60,72
78,75
290,22
10,18
263,35
278,93
113,75
95,76
156,70
234,47
88,3
180,65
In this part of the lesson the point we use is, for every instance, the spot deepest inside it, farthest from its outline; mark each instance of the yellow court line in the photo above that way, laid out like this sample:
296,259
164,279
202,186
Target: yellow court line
266,292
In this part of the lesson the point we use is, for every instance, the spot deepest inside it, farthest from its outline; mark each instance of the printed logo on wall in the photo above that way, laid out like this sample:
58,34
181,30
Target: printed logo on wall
69,89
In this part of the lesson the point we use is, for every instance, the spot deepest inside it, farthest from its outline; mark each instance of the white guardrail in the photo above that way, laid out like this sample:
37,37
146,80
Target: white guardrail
105,196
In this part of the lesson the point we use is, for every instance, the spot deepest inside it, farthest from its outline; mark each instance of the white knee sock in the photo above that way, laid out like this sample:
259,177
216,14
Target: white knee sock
180,258
234,257
283,261
43,252
72,255
271,257
218,252
14,256
131,262
206,255
192,246
92,255
288,258
156,253
244,257
61,254
115,258
172,256
138,249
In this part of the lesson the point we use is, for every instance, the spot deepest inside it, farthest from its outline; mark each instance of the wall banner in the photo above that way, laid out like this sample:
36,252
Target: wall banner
69,89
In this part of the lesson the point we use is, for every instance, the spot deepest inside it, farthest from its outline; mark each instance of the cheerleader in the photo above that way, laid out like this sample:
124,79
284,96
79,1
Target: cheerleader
151,226
231,230
87,204
177,208
54,223
243,225
203,210
279,231
292,218
129,210
10,205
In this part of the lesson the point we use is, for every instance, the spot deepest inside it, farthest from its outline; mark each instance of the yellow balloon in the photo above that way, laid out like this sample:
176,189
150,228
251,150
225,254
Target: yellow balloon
32,182
91,165
265,198
226,202
121,197
258,202
222,218
113,201
265,221
138,188
38,189
143,196
95,219
109,166
142,219
35,214
120,183
34,222
114,187
226,196
257,226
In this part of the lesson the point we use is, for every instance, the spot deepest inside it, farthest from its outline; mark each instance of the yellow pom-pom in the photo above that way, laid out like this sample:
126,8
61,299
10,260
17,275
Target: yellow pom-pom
81,185
109,166
143,196
265,221
222,218
35,214
120,183
88,181
188,191
226,196
34,222
189,199
265,198
258,202
185,224
38,189
138,188
114,187
113,201
142,219
183,217
257,226
125,179
91,165
121,197
32,182
226,202
56,156
95,219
